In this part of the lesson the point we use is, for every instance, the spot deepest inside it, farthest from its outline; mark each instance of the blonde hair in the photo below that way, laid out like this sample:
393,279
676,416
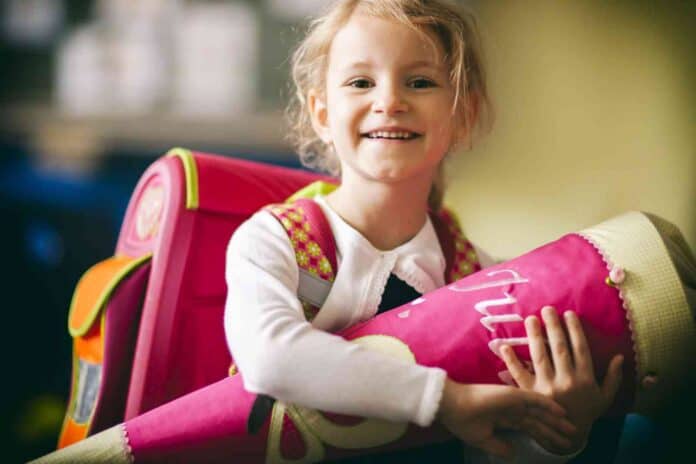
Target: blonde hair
457,33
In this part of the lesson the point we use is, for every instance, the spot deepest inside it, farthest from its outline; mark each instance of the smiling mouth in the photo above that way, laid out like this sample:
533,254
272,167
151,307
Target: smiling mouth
390,135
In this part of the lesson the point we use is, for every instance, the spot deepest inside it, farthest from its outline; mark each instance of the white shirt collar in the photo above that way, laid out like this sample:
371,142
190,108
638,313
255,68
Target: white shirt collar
419,261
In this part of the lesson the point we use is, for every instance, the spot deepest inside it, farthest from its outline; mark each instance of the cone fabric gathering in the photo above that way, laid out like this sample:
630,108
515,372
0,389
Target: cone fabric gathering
631,280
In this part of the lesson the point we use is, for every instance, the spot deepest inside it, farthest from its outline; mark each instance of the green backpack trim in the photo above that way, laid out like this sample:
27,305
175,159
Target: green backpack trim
78,328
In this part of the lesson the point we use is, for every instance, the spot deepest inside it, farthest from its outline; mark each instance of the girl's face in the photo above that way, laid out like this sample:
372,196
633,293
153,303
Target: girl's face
387,109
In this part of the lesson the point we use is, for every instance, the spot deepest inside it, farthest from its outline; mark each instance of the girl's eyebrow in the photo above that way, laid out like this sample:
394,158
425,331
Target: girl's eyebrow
423,64
412,65
355,65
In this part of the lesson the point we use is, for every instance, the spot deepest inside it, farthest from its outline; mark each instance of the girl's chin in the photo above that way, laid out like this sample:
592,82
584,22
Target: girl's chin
388,174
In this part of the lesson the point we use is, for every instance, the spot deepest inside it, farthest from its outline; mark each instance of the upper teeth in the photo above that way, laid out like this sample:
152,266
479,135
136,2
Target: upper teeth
391,135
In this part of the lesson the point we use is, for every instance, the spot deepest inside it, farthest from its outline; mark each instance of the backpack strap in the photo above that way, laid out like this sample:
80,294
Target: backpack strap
315,250
460,256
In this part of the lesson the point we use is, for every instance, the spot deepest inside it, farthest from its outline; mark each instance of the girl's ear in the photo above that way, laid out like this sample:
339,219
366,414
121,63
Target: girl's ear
320,115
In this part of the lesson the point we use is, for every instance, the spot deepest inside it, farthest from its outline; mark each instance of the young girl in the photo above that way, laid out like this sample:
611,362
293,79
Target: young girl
385,89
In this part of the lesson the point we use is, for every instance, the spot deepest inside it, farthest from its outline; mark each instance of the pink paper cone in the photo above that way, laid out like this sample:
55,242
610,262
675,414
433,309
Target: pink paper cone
617,276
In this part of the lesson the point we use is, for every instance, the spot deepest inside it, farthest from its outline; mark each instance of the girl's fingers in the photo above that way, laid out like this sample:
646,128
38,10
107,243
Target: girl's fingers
496,446
560,351
545,435
537,348
522,376
581,350
612,381
518,423
509,423
561,424
533,402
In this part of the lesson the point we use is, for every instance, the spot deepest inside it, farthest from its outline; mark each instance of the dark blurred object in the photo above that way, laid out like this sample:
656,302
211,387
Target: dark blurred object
54,227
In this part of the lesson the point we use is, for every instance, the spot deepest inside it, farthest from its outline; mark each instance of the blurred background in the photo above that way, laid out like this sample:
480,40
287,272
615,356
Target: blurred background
595,114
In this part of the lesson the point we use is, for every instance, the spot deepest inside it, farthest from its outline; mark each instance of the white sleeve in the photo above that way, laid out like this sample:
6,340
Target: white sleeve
281,355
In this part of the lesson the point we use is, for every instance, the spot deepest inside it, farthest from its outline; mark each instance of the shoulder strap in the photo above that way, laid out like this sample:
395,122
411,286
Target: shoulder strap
460,256
315,250
320,230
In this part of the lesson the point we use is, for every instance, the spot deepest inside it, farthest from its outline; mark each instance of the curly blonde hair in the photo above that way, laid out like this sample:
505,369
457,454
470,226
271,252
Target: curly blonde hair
457,32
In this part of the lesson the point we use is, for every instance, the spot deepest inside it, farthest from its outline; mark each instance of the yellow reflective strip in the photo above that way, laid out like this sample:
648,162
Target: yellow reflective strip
191,174
319,187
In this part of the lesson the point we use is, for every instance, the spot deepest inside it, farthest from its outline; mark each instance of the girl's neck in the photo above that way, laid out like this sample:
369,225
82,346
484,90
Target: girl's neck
387,215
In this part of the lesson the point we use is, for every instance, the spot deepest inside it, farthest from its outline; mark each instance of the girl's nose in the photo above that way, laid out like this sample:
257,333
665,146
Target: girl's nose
389,101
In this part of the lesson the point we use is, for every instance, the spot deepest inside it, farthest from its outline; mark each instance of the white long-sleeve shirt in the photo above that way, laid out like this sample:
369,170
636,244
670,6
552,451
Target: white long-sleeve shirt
282,355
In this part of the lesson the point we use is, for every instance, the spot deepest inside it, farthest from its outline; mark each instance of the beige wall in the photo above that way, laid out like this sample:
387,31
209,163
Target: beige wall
595,115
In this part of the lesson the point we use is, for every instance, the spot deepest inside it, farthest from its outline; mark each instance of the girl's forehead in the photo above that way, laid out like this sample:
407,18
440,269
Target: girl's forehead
365,40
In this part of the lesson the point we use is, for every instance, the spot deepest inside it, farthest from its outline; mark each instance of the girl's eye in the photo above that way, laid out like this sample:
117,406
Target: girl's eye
421,83
360,83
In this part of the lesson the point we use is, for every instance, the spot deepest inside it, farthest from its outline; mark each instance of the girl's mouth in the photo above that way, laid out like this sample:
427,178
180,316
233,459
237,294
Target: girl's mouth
390,135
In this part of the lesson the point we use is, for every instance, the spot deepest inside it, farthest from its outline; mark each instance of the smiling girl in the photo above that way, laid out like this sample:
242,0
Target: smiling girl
385,90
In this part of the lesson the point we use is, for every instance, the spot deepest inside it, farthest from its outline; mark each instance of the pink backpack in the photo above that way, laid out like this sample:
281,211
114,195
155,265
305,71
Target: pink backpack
147,322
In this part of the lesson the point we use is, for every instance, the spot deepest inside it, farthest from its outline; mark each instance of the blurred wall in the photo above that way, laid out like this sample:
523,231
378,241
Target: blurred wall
595,115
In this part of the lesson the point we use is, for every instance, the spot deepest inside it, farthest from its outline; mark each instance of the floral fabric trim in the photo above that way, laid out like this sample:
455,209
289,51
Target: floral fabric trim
308,253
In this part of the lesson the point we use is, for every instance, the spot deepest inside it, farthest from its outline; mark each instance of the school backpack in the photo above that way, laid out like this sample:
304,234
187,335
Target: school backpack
147,322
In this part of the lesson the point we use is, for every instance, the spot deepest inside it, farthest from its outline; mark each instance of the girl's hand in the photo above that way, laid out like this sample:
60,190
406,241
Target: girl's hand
475,413
567,376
